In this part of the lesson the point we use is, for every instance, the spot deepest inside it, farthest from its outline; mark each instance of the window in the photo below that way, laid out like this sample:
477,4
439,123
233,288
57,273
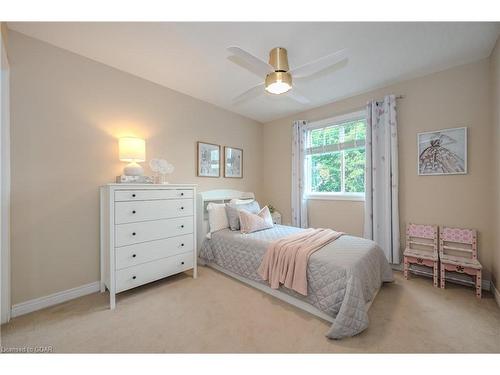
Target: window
335,158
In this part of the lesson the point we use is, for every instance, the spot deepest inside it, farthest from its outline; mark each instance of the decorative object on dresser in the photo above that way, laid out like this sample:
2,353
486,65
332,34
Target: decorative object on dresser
442,152
132,150
208,156
160,168
147,233
458,253
233,162
422,248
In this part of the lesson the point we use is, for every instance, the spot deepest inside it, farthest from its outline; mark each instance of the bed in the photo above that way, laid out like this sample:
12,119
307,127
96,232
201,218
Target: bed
343,277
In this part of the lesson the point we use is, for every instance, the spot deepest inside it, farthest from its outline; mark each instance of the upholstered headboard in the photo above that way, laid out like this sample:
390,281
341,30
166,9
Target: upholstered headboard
217,196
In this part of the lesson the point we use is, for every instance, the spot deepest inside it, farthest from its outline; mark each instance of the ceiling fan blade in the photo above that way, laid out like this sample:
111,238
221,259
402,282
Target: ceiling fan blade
322,73
297,96
250,94
252,63
319,65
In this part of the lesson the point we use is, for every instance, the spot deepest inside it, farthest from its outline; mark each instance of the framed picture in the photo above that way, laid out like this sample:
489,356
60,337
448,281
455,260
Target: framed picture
208,156
442,152
233,162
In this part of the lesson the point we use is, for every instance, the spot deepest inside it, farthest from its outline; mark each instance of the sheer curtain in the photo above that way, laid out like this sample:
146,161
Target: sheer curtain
299,203
381,190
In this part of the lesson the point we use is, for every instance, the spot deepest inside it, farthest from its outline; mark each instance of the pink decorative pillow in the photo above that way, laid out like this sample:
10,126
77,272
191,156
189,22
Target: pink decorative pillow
253,222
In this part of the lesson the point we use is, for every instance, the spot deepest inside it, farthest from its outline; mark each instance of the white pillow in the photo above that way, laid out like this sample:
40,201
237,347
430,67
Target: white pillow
217,217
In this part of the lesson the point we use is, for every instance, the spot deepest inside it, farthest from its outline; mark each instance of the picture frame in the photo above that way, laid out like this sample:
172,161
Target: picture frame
442,152
233,162
208,159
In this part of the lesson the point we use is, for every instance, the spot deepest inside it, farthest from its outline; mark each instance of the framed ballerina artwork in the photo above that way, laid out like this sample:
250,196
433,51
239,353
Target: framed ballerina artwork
442,152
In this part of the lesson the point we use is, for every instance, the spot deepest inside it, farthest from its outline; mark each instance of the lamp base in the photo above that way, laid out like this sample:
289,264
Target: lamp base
133,169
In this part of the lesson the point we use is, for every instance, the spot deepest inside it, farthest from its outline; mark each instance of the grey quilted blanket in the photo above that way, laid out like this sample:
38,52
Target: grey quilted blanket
342,277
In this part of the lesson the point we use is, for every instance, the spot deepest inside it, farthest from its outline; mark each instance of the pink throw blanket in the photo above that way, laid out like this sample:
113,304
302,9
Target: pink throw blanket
285,261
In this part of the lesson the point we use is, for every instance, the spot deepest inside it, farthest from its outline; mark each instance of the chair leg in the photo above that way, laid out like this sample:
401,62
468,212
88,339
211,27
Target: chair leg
406,268
435,274
443,274
478,284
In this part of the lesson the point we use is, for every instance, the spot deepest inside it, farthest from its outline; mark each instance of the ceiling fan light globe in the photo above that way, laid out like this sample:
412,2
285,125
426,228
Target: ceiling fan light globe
278,82
278,88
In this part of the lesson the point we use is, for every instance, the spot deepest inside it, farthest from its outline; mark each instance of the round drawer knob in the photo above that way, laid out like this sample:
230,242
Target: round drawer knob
182,208
182,244
182,226
134,277
134,255
182,262
182,194
133,195
133,212
133,233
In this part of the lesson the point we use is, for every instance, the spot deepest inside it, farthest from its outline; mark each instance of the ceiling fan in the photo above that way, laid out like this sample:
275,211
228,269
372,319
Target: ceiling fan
277,74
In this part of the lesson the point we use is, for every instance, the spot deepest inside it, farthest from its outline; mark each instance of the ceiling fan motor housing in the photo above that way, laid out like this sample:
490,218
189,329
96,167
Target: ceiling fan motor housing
278,59
280,77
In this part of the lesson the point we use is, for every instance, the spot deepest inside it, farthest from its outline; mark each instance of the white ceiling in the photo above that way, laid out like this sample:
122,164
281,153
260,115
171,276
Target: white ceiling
191,57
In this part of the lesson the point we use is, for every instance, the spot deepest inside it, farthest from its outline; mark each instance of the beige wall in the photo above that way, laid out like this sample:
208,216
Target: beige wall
452,98
67,112
495,85
344,216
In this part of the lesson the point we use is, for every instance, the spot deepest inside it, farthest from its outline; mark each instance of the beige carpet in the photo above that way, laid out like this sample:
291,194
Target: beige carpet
218,314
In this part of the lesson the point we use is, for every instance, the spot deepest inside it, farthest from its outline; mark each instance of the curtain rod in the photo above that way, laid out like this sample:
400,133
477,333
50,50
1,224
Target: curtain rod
381,100
397,97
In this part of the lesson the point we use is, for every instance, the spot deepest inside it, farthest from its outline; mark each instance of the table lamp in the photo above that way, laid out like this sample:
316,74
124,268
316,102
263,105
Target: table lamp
132,150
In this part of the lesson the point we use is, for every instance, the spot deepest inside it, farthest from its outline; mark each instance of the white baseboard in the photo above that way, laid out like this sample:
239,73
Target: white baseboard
397,267
54,299
496,293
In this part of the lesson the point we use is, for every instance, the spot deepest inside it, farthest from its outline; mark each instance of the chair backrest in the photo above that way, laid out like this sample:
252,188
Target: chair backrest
422,237
460,242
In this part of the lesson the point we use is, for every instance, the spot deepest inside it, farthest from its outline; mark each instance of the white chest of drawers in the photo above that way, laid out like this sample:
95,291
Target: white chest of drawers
147,233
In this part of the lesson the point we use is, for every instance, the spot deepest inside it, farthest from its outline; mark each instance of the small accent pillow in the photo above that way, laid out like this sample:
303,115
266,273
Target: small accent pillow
232,211
217,218
252,223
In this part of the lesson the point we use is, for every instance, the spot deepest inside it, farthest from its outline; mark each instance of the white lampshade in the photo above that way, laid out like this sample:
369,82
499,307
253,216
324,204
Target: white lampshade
132,149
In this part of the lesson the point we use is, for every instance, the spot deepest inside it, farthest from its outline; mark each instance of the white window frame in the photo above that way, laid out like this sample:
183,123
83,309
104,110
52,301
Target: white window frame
332,121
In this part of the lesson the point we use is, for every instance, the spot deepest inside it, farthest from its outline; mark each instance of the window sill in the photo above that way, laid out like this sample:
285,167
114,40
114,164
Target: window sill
335,197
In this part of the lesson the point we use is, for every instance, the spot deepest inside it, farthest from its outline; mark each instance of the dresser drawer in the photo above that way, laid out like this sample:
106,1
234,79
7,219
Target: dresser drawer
144,273
128,234
142,195
132,255
129,212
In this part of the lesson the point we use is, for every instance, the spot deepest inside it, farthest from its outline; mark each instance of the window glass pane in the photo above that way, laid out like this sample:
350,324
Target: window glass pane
326,173
316,137
355,170
327,169
354,131
324,136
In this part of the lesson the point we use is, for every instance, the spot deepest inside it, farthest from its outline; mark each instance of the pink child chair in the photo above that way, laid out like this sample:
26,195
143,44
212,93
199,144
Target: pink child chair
422,248
458,253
